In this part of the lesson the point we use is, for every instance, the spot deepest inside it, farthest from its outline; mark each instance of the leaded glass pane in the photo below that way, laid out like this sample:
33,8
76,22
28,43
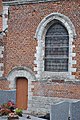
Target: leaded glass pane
56,65
56,48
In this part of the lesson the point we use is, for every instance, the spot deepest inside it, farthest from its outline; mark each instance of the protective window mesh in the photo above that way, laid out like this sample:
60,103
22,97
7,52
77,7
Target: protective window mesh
56,48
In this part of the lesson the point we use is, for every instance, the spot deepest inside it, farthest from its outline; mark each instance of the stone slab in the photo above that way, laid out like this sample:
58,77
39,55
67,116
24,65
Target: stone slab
7,95
60,111
75,111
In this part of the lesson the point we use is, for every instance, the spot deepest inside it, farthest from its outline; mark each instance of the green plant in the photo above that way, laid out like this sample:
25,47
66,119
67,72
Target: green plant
18,112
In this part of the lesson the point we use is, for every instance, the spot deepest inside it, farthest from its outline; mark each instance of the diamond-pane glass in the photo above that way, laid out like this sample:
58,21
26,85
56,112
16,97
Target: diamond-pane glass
56,48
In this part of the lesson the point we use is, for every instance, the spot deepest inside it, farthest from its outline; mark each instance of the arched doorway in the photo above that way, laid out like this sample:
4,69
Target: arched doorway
22,72
22,93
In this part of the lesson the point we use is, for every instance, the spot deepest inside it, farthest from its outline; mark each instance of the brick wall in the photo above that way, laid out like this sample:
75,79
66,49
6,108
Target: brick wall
0,5
57,89
20,46
20,43
4,84
22,25
0,15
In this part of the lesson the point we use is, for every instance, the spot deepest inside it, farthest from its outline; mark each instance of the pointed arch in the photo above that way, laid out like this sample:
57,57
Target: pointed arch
40,36
55,16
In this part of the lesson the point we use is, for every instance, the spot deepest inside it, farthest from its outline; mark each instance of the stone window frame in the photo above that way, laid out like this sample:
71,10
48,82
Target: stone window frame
39,55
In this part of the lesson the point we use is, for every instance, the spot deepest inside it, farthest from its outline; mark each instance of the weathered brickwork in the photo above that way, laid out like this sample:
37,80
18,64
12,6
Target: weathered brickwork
23,20
57,89
20,46
0,23
4,84
0,15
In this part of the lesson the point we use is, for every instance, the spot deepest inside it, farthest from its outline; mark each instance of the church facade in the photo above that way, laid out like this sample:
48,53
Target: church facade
39,52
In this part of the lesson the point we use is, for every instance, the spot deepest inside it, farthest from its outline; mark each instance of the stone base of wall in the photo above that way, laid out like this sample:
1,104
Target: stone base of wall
41,105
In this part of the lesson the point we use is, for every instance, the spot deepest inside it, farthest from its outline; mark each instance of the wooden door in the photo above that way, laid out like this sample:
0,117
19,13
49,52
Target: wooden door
22,93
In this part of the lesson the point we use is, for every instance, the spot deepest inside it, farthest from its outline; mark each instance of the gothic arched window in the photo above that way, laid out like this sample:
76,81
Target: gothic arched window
54,53
56,48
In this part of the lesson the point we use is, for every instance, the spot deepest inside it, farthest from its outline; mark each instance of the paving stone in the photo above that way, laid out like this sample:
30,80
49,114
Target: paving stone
23,118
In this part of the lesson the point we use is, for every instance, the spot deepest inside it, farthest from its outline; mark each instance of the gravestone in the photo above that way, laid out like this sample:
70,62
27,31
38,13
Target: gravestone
60,111
75,111
7,95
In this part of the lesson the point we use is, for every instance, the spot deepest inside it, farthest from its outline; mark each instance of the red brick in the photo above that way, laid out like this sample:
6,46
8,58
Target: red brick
20,45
